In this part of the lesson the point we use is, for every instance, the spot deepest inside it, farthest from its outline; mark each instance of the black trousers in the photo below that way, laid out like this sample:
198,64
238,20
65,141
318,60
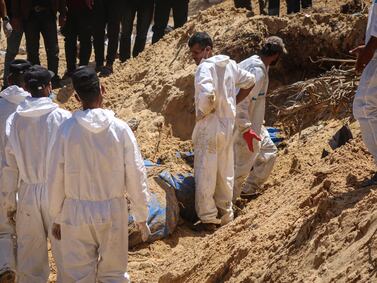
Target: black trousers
274,7
42,23
107,13
79,26
144,10
243,4
293,6
161,16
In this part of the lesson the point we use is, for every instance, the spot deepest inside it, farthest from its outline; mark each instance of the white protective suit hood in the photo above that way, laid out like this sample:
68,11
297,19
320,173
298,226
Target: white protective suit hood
36,107
94,120
14,94
219,60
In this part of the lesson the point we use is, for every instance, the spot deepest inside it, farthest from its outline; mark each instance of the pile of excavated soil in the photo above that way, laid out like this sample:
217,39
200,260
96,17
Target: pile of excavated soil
157,90
313,223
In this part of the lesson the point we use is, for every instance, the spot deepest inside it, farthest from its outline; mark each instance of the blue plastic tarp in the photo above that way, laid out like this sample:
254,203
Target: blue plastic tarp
184,187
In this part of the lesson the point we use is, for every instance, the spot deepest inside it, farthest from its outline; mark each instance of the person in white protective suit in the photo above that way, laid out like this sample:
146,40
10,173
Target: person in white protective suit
263,165
251,111
216,81
28,132
365,101
95,164
11,97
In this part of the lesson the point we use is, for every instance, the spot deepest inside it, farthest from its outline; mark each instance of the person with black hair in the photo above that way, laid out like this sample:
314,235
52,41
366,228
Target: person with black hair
29,132
96,163
162,13
251,111
11,97
216,81
143,9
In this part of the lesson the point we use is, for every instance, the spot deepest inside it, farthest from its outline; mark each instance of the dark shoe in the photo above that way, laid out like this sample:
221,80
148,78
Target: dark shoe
99,68
106,71
56,82
8,277
369,182
208,227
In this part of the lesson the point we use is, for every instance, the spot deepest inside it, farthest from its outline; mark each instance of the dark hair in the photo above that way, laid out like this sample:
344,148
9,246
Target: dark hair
36,91
270,49
201,38
17,79
89,93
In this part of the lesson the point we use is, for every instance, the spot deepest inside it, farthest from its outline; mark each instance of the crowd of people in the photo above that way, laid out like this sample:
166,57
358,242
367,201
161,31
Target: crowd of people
65,176
272,7
87,23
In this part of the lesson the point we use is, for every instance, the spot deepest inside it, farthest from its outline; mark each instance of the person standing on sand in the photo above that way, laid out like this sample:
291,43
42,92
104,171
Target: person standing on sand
251,111
95,163
365,101
11,97
29,132
143,9
162,13
216,80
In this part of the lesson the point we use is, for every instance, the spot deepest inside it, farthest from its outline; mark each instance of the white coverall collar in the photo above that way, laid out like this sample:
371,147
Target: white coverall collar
220,60
35,107
94,120
14,94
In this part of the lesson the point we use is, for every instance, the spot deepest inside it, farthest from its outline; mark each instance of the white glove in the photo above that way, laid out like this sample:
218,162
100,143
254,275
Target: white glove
144,229
7,28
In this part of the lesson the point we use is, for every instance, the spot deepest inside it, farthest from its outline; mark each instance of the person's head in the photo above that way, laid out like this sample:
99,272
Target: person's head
200,46
38,81
273,48
88,89
17,70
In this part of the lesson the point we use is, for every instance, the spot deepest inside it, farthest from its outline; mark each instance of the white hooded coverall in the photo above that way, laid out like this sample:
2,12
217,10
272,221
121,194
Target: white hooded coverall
11,97
365,102
250,115
95,163
216,83
263,165
29,132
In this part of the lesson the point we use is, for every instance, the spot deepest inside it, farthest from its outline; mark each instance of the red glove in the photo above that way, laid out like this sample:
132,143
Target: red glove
249,136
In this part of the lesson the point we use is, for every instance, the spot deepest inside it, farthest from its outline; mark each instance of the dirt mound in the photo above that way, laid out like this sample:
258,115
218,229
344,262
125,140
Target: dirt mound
313,224
157,88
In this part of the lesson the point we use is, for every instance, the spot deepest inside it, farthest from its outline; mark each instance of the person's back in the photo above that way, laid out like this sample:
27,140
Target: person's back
251,111
11,97
95,164
29,131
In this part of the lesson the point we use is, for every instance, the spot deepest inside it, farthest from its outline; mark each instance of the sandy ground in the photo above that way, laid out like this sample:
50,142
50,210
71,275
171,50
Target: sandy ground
313,222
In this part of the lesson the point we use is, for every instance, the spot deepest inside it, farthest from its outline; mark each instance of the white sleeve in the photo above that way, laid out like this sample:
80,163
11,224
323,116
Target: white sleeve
243,79
206,94
136,179
243,121
55,178
373,20
9,179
